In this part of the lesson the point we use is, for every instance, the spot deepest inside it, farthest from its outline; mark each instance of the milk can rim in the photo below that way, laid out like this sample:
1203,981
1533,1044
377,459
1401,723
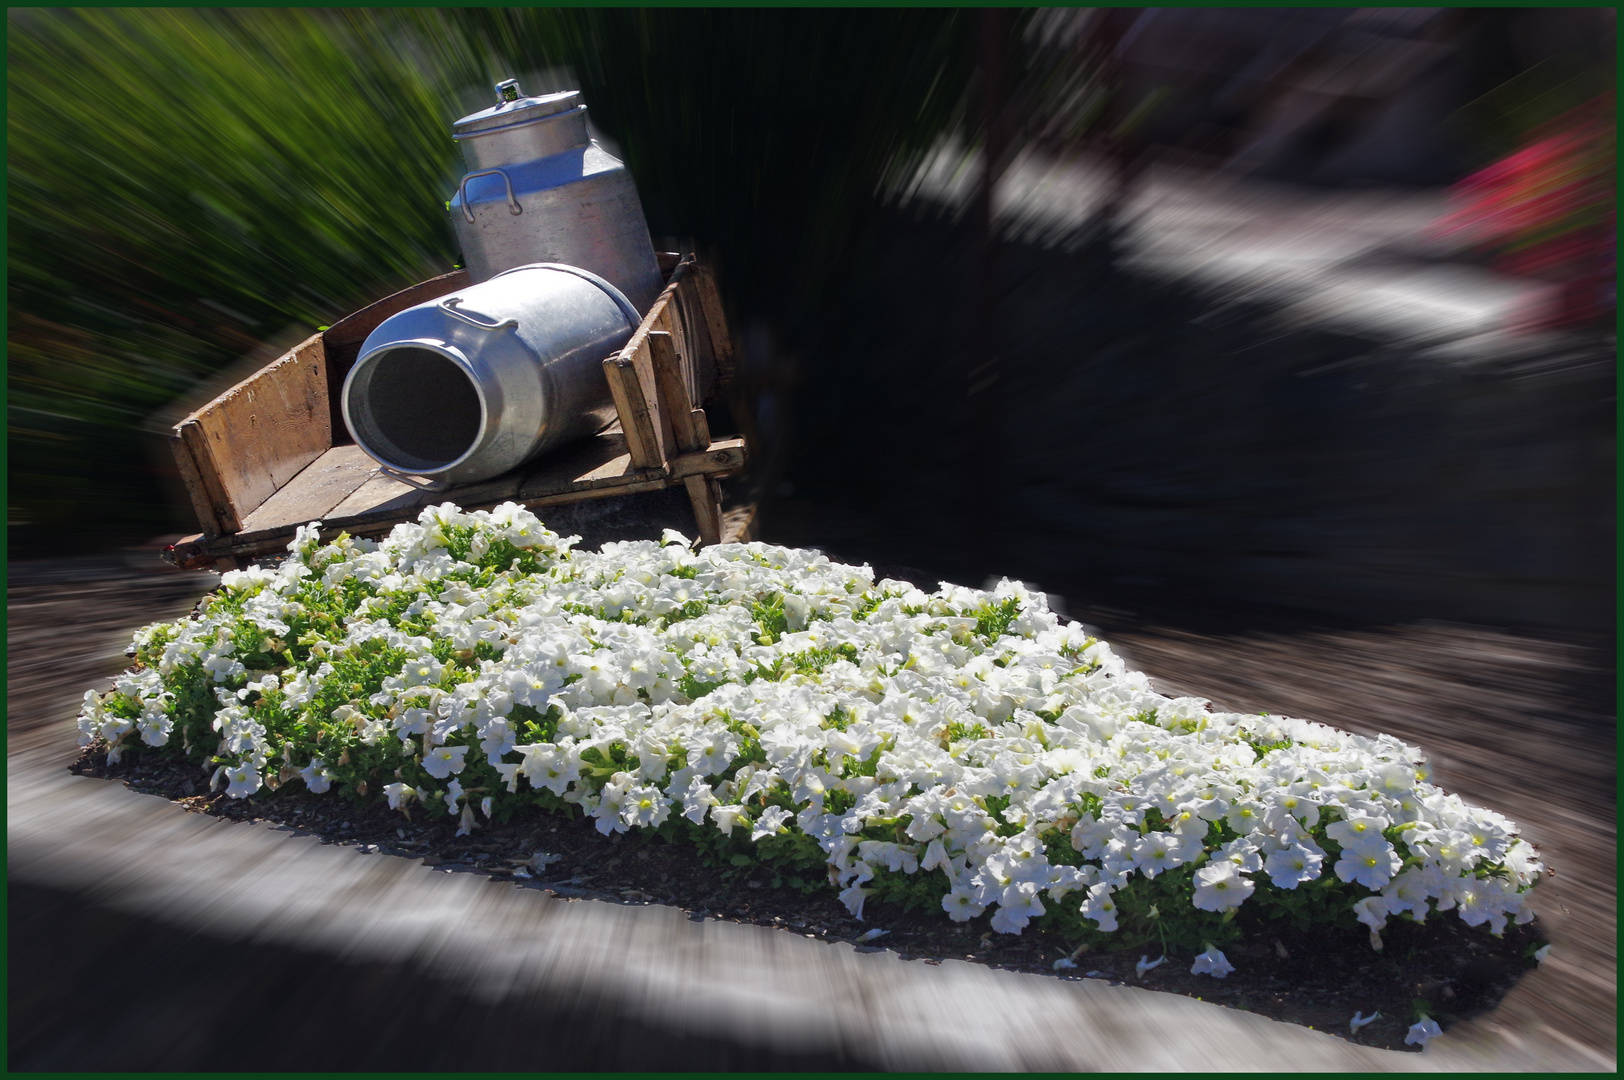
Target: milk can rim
526,110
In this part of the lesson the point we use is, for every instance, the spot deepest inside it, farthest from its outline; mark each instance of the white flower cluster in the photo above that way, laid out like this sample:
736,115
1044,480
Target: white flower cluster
765,689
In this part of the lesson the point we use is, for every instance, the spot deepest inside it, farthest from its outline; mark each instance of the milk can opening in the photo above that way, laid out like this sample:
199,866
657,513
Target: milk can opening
413,408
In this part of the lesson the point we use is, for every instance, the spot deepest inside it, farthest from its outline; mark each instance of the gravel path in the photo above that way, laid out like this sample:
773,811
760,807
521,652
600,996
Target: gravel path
143,937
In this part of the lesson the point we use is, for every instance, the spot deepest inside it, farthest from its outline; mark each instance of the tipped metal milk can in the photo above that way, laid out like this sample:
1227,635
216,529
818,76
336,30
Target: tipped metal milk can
539,190
469,385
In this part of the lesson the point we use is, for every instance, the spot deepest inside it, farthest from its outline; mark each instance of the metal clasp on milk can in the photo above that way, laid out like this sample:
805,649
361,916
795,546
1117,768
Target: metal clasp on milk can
539,190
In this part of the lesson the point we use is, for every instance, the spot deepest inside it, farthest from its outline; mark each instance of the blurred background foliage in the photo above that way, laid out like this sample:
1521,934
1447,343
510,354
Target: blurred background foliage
190,187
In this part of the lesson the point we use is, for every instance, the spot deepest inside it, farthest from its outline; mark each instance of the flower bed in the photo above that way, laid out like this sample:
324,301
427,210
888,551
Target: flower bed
964,750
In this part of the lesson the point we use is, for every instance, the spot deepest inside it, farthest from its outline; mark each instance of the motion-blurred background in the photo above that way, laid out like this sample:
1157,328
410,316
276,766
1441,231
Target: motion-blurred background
1301,307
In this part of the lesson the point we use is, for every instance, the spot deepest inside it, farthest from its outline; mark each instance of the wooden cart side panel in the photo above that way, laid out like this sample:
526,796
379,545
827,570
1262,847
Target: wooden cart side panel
204,498
344,338
253,439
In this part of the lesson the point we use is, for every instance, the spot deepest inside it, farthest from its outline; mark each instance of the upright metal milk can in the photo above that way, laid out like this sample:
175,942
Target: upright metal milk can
538,190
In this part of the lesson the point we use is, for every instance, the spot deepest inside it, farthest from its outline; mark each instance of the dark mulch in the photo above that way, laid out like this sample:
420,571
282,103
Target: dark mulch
1318,981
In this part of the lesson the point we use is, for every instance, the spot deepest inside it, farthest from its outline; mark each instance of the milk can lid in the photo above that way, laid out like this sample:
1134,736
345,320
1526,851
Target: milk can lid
513,107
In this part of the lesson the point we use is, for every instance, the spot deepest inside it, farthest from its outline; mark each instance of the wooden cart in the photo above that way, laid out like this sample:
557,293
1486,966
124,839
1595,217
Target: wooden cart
272,453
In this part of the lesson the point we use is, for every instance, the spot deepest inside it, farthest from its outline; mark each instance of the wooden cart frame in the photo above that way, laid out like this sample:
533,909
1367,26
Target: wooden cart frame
272,453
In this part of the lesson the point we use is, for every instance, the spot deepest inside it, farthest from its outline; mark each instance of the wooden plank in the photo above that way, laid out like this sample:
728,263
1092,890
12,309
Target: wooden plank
642,437
196,489
343,339
694,344
725,455
603,461
660,316
599,493
702,435
262,432
706,498
739,524
381,496
311,495
220,508
716,322
672,388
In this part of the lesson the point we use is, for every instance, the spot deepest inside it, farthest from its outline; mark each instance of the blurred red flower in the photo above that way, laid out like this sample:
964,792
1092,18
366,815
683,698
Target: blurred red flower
1548,211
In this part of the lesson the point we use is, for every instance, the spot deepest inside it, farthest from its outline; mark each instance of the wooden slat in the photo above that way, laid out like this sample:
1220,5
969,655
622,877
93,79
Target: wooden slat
250,441
599,493
598,462
739,524
203,501
716,323
697,352
672,387
315,492
726,455
662,316
381,497
642,437
706,498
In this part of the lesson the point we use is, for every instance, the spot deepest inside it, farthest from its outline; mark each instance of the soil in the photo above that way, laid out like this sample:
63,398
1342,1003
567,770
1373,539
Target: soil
1319,982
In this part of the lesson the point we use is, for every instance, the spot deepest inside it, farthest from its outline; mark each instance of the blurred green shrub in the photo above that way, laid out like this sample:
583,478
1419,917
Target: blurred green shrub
186,184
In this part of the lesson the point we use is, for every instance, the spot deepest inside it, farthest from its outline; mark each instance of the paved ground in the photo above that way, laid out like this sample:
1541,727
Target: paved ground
146,938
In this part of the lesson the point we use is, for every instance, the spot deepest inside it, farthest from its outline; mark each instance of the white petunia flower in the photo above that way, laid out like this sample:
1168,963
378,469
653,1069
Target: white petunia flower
1359,1020
1370,866
1422,1032
244,780
318,779
444,761
1212,962
1100,907
1146,964
1220,886
1292,866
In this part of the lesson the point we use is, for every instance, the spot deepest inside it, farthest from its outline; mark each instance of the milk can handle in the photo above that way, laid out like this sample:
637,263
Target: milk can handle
445,306
462,193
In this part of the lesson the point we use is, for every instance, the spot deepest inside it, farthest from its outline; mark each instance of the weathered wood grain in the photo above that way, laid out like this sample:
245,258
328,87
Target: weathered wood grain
250,441
716,324
636,414
311,495
672,385
722,456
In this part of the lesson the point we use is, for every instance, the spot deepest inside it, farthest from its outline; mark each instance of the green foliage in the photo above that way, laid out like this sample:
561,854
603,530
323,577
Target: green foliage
993,618
768,613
